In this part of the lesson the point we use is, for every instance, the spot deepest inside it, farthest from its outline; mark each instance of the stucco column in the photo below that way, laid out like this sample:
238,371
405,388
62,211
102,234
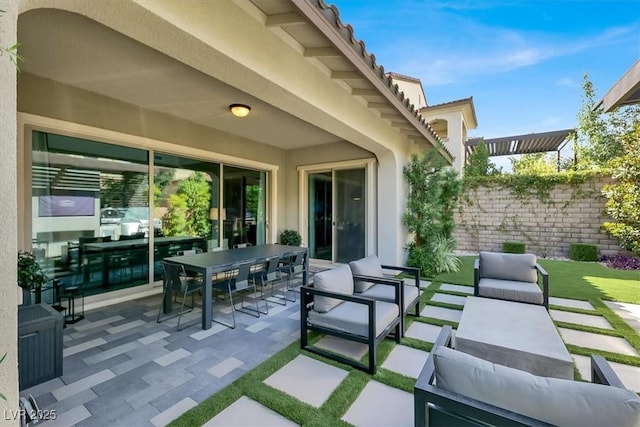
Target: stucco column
8,218
392,202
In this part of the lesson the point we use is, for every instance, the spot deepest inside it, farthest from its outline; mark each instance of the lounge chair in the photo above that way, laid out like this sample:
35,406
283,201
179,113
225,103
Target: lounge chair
455,388
511,277
330,307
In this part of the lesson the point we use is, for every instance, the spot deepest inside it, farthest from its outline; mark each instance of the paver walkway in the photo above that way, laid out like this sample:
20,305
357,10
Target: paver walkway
381,405
122,368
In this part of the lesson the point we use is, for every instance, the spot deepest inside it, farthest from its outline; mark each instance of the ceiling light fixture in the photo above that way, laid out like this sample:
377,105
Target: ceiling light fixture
240,110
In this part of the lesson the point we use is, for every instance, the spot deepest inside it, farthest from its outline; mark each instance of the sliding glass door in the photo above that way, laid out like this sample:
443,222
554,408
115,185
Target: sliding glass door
337,214
245,219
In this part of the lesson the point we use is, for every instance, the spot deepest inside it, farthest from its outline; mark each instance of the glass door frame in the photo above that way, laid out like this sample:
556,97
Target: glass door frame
370,236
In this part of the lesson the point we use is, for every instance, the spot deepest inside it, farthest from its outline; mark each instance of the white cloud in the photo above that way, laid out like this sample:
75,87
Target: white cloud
471,50
568,82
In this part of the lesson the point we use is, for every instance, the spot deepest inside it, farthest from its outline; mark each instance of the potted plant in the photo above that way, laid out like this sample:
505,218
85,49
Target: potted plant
290,238
30,276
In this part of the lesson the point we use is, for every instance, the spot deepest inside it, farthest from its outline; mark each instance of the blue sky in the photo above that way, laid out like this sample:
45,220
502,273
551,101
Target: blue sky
521,60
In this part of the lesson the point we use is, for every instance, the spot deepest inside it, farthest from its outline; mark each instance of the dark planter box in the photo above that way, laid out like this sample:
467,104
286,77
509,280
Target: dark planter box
39,344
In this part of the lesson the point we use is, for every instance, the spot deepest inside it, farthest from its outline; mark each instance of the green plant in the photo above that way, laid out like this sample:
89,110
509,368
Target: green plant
513,247
583,252
623,204
435,258
30,274
478,163
290,238
434,189
12,51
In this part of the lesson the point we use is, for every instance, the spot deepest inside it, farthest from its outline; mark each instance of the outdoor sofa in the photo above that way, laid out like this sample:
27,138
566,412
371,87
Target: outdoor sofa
410,295
330,307
511,277
455,388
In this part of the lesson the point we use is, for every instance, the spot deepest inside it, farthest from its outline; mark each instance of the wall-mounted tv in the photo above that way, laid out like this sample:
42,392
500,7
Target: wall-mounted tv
50,205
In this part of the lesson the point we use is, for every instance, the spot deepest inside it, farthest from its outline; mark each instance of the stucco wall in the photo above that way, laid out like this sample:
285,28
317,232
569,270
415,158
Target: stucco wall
8,217
79,106
495,215
319,154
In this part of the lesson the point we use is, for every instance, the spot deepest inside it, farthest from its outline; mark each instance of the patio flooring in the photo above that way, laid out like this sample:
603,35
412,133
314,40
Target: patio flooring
122,368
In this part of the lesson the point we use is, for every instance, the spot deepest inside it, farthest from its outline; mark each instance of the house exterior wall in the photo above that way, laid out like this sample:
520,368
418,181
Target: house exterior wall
8,219
74,105
413,91
456,134
204,36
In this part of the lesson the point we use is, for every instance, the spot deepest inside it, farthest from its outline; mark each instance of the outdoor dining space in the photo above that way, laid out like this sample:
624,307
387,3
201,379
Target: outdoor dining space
122,366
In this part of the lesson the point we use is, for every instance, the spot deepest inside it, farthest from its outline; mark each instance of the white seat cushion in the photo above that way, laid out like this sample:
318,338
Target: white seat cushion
388,293
555,401
338,280
353,317
510,290
369,266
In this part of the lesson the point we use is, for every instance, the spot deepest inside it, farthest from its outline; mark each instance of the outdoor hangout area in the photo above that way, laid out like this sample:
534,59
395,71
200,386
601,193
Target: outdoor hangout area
268,227
319,361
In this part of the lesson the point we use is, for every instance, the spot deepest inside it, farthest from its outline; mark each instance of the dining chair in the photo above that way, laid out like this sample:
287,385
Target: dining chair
239,281
293,268
177,281
271,274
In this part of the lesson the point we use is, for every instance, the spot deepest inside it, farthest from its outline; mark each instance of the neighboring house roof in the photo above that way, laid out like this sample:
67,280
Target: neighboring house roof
366,64
626,91
522,144
472,120
404,77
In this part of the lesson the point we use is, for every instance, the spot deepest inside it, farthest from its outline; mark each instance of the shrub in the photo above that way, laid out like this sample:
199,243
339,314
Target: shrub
436,258
513,247
290,238
622,262
583,252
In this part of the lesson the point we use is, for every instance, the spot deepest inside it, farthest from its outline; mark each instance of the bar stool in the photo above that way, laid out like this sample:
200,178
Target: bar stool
71,293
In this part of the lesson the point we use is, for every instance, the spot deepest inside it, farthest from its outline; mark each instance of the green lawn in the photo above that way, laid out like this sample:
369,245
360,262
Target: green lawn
572,279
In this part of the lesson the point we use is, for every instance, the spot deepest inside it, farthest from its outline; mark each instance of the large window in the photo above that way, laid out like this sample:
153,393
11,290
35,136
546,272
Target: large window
91,220
86,195
244,210
186,197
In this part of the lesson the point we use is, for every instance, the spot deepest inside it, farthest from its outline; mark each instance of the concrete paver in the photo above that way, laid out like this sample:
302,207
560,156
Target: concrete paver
580,319
248,412
597,341
381,405
307,379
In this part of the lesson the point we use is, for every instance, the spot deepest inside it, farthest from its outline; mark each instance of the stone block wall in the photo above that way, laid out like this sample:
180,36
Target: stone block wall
491,215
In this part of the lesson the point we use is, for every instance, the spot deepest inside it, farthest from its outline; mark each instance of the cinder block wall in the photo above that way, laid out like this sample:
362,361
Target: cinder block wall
491,215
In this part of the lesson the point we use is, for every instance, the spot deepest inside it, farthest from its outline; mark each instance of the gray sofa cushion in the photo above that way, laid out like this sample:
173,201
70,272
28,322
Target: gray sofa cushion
388,293
555,401
517,267
510,290
354,318
338,280
369,266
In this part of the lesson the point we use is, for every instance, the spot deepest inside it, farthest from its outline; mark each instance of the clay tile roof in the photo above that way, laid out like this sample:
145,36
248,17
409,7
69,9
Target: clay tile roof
332,15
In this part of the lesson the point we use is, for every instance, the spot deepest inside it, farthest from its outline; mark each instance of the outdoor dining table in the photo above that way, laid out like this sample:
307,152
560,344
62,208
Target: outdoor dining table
209,263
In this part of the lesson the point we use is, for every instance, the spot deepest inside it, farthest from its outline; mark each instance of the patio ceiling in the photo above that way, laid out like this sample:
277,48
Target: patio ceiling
63,47
521,144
